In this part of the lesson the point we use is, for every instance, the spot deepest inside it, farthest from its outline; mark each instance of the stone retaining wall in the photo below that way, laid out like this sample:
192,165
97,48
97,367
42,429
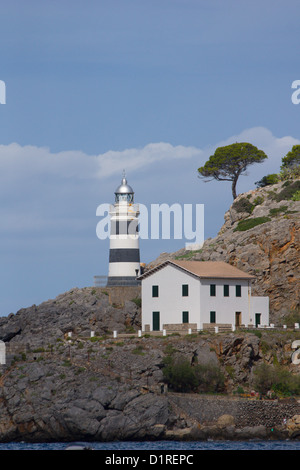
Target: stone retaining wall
119,294
246,412
180,327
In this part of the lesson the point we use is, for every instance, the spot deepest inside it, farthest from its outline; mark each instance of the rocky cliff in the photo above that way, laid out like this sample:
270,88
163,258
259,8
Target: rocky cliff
78,311
261,236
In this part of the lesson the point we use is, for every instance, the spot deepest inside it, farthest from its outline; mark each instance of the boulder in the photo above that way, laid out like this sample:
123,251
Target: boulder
293,426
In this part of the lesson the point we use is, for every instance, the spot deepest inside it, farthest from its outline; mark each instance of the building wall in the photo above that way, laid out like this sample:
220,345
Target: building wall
260,305
170,302
225,308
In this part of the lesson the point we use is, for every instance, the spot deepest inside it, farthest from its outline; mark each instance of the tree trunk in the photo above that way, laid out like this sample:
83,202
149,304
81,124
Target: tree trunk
233,187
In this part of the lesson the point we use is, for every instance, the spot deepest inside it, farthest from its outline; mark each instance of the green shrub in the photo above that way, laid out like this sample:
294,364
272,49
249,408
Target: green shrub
267,180
288,192
296,196
243,205
179,375
137,301
276,379
183,377
288,173
210,378
258,200
247,224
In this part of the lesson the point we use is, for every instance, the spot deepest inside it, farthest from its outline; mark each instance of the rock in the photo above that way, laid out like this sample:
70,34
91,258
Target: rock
293,426
204,355
79,311
225,420
251,432
179,434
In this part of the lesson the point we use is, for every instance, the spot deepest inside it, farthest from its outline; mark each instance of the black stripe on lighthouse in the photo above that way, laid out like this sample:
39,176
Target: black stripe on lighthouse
124,255
124,227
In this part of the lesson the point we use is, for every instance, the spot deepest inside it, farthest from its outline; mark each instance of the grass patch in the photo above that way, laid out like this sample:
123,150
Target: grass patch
277,211
247,224
189,255
139,350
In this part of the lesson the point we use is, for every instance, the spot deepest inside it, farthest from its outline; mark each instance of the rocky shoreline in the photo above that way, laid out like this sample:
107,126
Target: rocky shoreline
105,389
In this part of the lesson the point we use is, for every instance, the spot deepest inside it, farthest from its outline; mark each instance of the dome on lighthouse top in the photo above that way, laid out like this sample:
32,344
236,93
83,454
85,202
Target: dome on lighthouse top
124,191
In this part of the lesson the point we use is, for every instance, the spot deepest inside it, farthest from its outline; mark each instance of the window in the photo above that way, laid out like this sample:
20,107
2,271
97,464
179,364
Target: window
238,291
226,290
124,197
185,290
213,290
212,317
155,321
185,317
154,291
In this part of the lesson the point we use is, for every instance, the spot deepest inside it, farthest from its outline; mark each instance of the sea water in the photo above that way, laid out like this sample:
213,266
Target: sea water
158,445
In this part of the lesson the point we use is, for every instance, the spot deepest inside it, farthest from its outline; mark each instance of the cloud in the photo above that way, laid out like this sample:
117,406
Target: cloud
113,162
20,163
17,163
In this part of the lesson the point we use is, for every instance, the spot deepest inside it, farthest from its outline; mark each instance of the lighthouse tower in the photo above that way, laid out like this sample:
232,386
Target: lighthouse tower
124,251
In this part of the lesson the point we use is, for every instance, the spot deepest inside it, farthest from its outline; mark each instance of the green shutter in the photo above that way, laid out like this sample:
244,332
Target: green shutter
212,317
213,290
155,321
185,290
226,290
154,291
238,291
185,317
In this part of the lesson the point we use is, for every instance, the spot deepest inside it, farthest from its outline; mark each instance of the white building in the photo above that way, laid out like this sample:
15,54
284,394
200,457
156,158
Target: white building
124,252
178,295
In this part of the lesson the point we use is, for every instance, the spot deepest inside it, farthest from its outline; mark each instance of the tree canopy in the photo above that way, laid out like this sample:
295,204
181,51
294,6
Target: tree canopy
292,158
231,161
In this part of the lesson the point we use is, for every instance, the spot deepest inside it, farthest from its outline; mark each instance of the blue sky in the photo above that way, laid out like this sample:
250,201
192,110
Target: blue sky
154,87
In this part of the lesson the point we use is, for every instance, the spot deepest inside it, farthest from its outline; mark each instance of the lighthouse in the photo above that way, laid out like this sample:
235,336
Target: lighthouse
124,251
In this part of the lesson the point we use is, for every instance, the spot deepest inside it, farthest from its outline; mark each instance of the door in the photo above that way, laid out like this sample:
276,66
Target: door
155,321
257,319
238,318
